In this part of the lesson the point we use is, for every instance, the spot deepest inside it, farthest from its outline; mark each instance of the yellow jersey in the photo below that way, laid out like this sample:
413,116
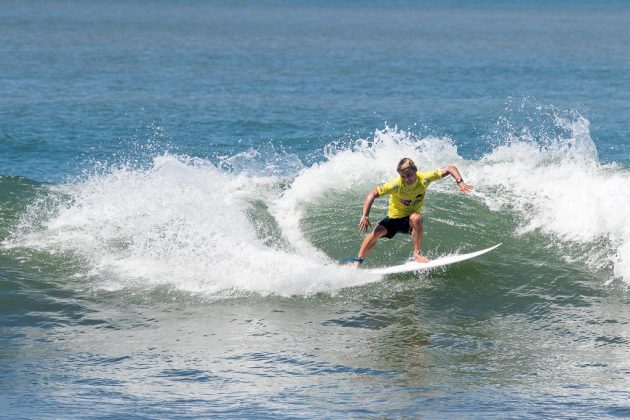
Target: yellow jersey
407,199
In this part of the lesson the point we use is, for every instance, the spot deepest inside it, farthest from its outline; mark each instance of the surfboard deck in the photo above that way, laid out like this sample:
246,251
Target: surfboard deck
438,262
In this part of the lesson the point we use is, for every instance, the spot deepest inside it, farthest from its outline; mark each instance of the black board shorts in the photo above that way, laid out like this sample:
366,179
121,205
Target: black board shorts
395,226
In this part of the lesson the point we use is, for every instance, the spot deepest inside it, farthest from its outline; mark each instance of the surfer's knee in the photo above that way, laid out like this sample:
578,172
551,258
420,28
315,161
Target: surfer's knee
415,220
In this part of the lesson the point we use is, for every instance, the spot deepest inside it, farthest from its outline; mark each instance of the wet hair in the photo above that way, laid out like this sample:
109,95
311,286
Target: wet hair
405,164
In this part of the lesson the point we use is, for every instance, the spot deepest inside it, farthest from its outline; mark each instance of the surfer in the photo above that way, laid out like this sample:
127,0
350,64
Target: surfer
406,197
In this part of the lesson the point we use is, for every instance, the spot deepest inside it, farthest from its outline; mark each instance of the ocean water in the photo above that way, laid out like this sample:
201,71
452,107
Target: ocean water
179,178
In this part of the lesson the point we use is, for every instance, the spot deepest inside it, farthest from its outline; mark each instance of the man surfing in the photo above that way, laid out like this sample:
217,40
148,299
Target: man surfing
406,197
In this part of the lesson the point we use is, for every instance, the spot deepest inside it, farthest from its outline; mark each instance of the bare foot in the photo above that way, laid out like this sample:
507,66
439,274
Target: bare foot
420,258
356,263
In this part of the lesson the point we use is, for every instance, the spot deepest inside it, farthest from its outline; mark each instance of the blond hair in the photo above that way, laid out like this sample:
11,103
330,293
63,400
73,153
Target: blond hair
405,164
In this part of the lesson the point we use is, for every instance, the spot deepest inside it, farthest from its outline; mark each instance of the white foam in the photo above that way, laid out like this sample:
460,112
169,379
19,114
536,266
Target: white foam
182,223
559,188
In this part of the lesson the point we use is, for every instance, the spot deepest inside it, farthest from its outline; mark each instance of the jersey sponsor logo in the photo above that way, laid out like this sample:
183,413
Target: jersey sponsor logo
415,201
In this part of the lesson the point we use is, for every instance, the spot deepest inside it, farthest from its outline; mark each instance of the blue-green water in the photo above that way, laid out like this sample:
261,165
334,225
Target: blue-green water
178,178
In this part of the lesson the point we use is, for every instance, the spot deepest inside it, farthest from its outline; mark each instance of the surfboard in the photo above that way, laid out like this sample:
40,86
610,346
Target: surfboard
438,262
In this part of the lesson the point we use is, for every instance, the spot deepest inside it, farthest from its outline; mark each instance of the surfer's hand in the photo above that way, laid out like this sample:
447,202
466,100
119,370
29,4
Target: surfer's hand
463,187
364,224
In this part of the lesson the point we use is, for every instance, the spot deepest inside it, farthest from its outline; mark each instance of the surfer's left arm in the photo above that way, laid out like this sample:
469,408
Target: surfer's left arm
454,172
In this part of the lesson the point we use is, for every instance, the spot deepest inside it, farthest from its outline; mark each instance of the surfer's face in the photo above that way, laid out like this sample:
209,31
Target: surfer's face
408,176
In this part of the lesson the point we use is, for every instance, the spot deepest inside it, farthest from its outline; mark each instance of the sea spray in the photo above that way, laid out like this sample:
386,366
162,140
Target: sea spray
195,226
557,187
181,223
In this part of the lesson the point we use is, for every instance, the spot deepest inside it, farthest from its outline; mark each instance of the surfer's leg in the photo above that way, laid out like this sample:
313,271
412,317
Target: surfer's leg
371,240
415,224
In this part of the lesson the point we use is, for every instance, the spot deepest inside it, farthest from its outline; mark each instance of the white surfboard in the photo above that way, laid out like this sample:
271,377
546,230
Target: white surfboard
438,262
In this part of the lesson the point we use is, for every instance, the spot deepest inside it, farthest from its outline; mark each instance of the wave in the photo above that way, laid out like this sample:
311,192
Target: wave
182,223
558,188
263,222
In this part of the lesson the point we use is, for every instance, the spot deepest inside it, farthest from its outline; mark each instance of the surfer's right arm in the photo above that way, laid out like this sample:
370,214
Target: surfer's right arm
364,224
